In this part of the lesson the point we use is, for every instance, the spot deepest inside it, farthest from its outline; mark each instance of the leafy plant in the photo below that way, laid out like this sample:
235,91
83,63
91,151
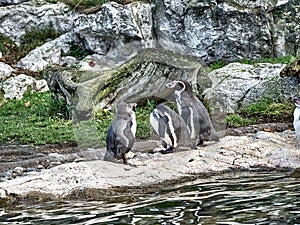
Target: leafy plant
236,120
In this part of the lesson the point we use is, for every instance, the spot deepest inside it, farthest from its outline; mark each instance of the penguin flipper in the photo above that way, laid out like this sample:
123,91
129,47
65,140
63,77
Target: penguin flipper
162,126
129,136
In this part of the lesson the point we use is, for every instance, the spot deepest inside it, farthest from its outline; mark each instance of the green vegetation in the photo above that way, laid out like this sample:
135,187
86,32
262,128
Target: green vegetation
282,59
36,119
262,111
142,117
32,39
6,45
39,119
236,120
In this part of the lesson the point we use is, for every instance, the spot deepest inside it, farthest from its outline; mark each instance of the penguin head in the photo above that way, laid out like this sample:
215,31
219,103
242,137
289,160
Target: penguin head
180,85
124,107
297,102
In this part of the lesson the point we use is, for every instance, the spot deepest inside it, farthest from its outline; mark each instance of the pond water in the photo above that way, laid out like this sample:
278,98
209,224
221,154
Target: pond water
241,198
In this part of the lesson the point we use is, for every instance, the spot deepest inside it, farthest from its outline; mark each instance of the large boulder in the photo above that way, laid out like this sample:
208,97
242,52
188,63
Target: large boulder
15,87
143,77
50,53
5,71
237,85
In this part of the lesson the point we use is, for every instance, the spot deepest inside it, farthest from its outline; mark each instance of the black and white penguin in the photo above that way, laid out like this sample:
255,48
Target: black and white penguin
193,112
121,133
171,129
296,121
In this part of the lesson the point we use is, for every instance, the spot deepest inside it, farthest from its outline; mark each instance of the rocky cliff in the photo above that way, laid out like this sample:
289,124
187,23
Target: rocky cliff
211,30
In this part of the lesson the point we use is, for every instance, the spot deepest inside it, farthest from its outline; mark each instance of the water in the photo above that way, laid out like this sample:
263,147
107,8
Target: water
243,198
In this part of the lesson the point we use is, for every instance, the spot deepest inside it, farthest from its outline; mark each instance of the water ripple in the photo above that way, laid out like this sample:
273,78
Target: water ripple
264,198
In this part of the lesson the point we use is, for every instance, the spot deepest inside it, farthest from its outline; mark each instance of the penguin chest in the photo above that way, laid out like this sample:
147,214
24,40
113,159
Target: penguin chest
134,125
178,101
296,122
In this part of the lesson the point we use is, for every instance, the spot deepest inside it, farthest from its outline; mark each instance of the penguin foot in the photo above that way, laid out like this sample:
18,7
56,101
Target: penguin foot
167,151
200,142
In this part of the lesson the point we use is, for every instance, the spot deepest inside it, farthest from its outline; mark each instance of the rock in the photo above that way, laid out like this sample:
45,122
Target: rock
226,30
237,85
210,30
115,34
34,15
49,53
15,87
11,2
141,78
291,70
19,171
5,71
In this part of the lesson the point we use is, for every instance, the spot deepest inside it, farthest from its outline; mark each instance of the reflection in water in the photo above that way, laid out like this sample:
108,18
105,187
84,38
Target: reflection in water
264,198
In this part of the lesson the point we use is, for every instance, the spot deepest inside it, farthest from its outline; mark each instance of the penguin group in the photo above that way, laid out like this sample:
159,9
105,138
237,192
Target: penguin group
187,128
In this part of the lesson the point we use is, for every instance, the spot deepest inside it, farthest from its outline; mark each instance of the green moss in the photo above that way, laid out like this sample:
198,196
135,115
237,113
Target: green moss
117,78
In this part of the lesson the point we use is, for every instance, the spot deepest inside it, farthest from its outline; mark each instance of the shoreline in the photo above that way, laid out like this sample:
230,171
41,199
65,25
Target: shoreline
97,179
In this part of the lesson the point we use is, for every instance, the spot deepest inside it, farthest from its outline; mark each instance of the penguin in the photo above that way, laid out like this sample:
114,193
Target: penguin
171,129
193,112
296,121
121,133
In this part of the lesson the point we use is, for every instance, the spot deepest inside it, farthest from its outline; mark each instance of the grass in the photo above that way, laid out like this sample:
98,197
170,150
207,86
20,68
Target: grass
36,119
282,60
39,119
263,111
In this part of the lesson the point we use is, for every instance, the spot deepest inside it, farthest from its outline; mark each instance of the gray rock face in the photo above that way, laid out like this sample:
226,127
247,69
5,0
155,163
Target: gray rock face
227,30
15,87
212,30
17,19
48,54
237,85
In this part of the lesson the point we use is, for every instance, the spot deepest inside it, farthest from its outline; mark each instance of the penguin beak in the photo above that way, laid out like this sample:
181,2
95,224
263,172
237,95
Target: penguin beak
132,105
